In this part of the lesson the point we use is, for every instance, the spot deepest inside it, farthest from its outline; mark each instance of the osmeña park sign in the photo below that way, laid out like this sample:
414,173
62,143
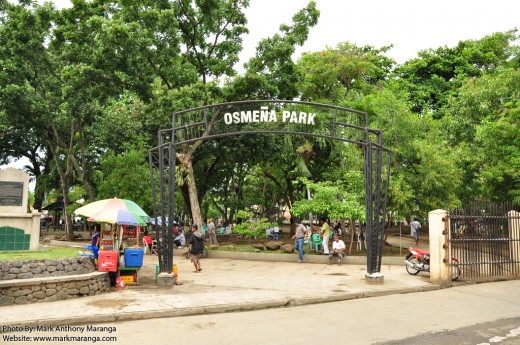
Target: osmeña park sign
257,117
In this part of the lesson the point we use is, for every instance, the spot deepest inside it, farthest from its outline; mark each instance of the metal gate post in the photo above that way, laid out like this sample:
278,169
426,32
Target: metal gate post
438,225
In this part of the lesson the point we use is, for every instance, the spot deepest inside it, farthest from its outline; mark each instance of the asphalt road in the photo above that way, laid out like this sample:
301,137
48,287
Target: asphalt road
468,314
503,332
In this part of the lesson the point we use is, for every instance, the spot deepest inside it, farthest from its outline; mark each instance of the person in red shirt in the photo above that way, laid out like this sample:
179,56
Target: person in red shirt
148,240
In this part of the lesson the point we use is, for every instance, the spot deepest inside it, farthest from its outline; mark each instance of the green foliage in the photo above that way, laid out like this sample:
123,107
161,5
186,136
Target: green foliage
245,214
77,193
273,60
85,89
481,123
433,77
253,229
330,75
126,176
336,201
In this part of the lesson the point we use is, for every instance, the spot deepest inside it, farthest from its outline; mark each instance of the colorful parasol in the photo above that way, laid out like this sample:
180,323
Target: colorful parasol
114,211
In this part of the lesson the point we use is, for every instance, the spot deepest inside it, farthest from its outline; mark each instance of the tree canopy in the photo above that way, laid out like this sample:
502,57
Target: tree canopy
84,90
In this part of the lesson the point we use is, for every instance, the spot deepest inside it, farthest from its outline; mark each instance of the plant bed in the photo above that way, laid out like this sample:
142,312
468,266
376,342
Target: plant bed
243,245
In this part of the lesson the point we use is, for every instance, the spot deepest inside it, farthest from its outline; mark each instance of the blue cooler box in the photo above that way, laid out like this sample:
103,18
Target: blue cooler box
134,257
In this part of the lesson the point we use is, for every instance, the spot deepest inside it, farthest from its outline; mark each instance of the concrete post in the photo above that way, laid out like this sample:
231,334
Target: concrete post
513,223
439,251
35,231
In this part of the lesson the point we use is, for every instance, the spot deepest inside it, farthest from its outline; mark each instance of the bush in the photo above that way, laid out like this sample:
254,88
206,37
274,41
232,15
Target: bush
250,230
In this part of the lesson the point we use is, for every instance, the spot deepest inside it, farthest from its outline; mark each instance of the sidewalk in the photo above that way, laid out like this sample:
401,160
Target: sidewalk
223,285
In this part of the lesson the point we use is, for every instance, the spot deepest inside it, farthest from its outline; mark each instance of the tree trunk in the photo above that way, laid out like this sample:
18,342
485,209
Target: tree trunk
64,175
80,171
192,188
387,232
352,230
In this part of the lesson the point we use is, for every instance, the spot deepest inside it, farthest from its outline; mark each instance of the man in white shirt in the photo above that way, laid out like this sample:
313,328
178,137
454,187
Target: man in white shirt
415,228
180,240
338,249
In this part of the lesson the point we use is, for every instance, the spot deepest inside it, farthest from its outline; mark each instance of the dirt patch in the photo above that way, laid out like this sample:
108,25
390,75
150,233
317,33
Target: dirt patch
337,274
111,303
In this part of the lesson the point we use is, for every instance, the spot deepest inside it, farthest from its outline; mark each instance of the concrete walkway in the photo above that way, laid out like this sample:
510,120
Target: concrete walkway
224,284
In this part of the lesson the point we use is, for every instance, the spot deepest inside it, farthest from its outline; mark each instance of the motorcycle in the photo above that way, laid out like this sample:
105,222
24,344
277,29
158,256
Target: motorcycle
419,260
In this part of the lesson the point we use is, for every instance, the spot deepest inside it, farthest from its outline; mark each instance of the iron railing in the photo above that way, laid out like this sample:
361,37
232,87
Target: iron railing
485,239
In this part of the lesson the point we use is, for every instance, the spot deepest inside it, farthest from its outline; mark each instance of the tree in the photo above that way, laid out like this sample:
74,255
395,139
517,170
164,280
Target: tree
272,61
126,175
25,102
273,65
435,75
335,201
330,75
481,124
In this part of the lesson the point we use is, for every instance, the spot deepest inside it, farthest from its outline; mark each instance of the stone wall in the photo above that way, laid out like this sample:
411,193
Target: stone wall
31,281
49,289
27,269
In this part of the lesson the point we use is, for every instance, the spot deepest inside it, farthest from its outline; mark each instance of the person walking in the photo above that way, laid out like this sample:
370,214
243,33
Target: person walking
197,246
325,234
415,228
212,232
299,238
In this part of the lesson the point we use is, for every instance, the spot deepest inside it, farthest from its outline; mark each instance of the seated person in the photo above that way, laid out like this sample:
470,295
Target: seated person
338,249
179,240
276,232
148,240
269,233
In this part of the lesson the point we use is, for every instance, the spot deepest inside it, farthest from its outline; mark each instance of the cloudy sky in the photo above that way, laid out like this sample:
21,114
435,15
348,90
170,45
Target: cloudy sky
410,25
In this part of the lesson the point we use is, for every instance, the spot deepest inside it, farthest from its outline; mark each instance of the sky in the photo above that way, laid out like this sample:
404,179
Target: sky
410,25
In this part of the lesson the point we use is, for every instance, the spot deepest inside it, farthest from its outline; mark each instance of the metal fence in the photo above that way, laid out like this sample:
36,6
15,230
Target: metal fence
485,239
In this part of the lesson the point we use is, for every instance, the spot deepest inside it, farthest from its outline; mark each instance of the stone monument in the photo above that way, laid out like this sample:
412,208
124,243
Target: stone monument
19,230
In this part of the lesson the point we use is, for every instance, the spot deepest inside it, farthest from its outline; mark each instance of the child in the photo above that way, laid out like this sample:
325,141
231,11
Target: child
148,240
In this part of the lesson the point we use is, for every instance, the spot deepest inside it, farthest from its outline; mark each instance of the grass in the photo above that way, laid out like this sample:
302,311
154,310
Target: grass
45,253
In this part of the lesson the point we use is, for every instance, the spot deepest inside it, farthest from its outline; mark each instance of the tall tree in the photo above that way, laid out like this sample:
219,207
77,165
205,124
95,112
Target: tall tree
330,75
481,124
434,75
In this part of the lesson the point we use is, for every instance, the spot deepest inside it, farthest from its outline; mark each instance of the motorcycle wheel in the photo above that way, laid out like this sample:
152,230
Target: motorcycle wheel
411,269
455,271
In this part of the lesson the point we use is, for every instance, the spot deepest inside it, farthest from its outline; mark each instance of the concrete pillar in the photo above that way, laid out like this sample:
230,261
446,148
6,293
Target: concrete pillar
513,224
439,251
35,231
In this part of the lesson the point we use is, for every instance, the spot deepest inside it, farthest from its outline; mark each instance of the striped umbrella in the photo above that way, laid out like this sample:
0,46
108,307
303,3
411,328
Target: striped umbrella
115,211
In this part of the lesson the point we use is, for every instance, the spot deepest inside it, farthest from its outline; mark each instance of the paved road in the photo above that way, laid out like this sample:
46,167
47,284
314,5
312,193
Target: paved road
503,332
467,314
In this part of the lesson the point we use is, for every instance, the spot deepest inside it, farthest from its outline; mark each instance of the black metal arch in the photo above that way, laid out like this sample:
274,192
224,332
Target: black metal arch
270,117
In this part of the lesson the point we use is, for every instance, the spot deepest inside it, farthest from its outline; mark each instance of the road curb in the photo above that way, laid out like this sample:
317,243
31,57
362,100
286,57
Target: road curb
215,309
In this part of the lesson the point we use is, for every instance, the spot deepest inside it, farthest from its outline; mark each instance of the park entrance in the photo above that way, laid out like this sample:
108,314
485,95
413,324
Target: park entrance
191,127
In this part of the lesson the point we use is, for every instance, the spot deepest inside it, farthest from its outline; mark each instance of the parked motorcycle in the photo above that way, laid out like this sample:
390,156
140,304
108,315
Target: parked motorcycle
419,260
